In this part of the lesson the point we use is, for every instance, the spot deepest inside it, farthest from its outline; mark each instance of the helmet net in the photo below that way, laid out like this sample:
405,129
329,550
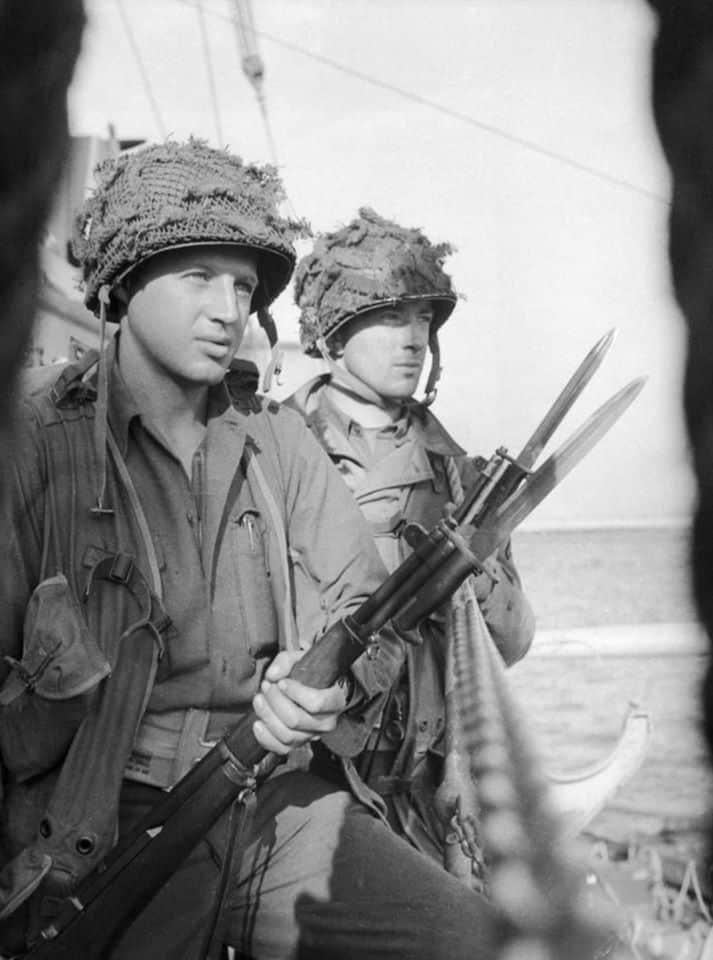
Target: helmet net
370,263
182,194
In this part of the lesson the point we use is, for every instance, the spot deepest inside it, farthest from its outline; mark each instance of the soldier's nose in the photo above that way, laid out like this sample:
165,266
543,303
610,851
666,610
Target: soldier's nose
224,300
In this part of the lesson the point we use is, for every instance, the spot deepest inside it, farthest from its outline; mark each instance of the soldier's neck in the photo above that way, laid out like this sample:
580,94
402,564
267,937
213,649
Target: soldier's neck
178,410
365,412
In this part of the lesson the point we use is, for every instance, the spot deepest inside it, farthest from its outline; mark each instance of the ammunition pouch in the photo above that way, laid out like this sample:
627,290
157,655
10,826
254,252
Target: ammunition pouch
47,693
88,726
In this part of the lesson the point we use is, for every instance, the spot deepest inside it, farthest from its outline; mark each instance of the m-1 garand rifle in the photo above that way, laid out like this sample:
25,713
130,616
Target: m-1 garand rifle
104,904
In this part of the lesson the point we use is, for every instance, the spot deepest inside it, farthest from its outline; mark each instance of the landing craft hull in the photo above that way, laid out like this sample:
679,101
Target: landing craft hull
626,640
580,796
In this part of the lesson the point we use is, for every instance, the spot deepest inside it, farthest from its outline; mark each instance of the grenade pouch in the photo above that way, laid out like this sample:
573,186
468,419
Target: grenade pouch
54,708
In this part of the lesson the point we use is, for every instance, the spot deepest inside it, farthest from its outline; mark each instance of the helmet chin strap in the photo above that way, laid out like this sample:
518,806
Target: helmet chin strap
434,374
361,390
274,367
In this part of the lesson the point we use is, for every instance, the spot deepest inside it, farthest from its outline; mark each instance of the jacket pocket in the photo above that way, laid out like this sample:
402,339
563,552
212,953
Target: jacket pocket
46,694
249,547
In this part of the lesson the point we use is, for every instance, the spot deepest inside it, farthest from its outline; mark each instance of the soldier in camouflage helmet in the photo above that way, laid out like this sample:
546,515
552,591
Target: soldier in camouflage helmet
150,599
372,264
372,297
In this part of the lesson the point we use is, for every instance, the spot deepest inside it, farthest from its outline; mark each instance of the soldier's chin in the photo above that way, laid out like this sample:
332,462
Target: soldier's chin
403,388
398,395
207,373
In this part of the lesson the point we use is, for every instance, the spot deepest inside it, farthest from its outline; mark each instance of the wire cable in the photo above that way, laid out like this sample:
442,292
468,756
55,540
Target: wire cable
252,65
205,45
490,128
142,69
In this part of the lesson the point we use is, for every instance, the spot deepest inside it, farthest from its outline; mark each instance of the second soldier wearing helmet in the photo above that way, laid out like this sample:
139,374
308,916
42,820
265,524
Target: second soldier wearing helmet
372,297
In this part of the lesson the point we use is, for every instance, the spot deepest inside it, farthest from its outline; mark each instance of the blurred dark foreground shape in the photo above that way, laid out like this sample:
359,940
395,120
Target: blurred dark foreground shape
682,94
39,46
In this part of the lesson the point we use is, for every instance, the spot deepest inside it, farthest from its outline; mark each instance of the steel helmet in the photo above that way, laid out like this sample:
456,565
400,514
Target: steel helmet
182,194
370,263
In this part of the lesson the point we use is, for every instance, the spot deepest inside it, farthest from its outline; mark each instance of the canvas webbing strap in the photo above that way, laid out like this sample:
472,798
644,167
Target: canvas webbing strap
138,510
278,524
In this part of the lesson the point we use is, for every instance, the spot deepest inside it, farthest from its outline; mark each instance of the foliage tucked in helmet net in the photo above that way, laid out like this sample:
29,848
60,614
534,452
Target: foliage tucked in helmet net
370,263
179,194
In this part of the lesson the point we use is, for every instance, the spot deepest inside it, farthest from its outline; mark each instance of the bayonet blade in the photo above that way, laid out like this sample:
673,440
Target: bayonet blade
515,472
543,481
561,406
485,540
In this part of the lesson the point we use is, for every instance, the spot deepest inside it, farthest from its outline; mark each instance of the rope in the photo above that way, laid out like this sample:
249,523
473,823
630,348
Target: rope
530,878
205,45
491,128
532,881
457,793
253,69
102,405
455,484
252,65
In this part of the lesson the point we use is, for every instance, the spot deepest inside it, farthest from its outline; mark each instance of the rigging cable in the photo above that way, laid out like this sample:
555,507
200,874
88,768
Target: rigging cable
142,69
519,141
252,64
493,129
209,70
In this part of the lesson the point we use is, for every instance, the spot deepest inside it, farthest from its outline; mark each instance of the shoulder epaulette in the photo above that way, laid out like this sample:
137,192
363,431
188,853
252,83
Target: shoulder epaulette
73,386
242,381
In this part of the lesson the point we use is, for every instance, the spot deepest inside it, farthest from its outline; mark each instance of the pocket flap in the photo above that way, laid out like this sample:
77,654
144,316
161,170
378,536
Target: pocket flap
60,657
20,878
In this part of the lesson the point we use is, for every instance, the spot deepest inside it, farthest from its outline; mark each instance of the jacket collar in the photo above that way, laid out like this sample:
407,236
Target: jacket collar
332,427
123,408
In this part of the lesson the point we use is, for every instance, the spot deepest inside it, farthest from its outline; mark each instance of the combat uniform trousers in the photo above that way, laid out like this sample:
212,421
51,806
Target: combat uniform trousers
317,875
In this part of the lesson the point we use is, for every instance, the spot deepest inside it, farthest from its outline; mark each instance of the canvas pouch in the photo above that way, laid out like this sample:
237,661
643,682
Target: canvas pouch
46,694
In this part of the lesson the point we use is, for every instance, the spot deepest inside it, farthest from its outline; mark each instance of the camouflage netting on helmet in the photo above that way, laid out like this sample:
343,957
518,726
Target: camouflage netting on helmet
178,194
372,262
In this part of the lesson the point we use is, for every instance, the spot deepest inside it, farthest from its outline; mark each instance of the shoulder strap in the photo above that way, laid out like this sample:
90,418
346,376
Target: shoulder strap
278,522
138,511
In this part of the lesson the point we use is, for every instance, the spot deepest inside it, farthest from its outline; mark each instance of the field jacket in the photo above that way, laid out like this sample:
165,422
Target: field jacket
79,583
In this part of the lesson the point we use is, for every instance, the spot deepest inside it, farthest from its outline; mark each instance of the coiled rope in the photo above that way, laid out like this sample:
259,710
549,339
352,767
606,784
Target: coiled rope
532,879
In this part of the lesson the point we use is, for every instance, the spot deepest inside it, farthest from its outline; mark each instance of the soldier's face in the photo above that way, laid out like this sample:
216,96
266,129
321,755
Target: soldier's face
386,349
187,311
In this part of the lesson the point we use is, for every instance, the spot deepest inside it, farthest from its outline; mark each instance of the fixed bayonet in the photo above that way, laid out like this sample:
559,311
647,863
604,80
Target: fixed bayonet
539,484
472,549
510,472
572,389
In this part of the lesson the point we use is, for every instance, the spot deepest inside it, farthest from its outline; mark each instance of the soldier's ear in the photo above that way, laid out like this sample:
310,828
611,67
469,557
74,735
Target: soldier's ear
119,302
121,294
336,347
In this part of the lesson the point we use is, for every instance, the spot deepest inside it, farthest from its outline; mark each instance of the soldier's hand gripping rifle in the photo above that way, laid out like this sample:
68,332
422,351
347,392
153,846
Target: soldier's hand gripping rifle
92,919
